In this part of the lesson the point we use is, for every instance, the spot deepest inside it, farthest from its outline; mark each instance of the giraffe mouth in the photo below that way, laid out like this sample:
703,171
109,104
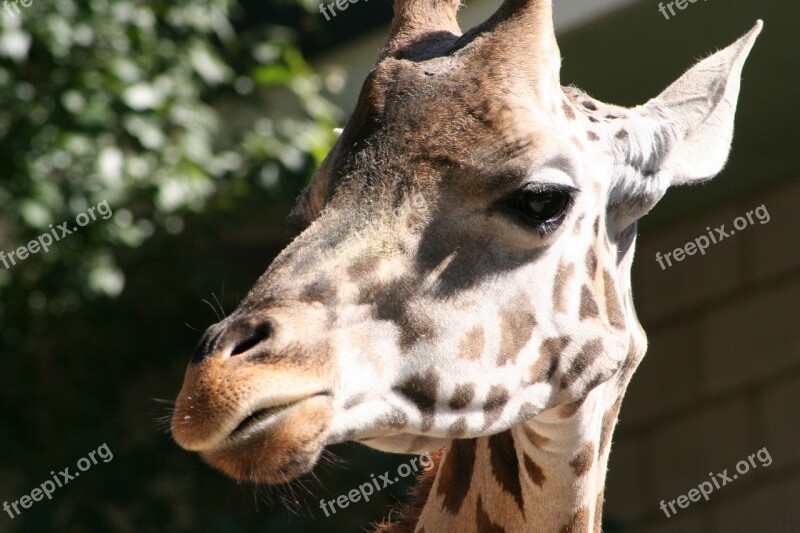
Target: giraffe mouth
274,444
263,420
259,420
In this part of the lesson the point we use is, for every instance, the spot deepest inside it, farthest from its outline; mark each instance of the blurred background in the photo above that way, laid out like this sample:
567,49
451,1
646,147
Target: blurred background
198,122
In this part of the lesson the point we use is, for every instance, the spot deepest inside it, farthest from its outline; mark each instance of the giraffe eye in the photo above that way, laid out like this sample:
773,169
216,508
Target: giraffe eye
540,207
544,206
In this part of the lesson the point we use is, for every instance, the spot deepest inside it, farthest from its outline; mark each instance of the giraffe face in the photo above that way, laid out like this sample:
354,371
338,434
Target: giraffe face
465,266
455,283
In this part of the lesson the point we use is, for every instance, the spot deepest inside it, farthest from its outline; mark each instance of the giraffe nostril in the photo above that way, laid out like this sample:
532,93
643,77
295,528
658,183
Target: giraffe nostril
253,336
232,339
246,335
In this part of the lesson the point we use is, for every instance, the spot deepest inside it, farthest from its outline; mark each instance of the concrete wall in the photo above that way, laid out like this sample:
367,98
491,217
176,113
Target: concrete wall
721,379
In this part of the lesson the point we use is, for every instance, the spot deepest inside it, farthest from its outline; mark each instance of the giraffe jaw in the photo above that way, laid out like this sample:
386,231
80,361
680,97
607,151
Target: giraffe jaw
261,426
276,444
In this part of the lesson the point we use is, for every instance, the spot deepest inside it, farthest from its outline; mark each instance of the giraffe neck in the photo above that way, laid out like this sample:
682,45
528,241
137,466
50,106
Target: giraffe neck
545,474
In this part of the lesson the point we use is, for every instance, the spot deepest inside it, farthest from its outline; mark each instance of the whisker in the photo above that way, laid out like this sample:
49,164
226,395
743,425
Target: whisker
328,458
163,423
216,313
161,400
219,303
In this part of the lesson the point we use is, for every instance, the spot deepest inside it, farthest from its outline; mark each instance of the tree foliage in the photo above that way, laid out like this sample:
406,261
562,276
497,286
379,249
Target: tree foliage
156,109
120,102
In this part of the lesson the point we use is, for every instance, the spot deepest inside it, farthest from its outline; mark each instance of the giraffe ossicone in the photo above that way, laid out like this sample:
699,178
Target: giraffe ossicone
493,318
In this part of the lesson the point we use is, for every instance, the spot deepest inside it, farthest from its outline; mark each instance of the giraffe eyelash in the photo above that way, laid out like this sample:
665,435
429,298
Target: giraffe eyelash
539,207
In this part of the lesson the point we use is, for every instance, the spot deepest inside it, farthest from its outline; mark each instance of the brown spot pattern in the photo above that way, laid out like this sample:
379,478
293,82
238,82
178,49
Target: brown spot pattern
609,419
458,428
631,362
534,471
579,522
564,274
527,410
569,410
420,389
516,329
568,112
546,365
598,512
592,136
390,302
455,474
591,263
471,346
495,401
483,521
583,460
588,308
462,396
593,383
505,466
352,402
364,266
589,352
395,419
321,290
578,223
616,316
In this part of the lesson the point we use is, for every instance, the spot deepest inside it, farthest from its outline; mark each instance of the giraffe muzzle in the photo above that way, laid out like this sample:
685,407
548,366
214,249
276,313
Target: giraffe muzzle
251,394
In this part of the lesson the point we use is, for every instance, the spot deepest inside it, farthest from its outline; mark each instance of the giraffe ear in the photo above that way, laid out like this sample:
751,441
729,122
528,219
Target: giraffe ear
683,136
697,113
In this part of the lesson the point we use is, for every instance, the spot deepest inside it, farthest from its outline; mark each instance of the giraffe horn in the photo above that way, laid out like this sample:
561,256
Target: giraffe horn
521,35
415,20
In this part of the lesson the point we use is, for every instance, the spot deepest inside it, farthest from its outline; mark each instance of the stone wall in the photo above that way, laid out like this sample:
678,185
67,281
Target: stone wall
721,379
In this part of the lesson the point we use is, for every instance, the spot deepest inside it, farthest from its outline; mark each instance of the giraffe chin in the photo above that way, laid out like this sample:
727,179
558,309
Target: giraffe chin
279,452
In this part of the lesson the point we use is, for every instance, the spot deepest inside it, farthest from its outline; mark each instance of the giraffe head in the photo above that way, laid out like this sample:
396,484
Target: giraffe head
465,262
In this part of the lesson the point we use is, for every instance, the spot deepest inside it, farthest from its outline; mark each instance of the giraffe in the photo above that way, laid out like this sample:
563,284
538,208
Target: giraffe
461,281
